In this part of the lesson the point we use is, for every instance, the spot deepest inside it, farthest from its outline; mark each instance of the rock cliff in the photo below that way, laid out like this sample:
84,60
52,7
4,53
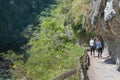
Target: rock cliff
104,20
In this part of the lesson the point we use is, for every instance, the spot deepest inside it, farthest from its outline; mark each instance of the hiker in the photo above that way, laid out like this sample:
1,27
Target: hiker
92,46
99,47
95,43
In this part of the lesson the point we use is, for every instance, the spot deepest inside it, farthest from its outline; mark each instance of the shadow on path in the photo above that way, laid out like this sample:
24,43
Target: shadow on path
109,61
103,68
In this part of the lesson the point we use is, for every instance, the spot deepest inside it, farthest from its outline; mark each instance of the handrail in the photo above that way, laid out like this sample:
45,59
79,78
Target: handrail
81,70
65,75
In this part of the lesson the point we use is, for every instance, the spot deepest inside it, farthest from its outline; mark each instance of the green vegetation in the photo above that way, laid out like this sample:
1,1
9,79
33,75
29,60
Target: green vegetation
50,38
15,17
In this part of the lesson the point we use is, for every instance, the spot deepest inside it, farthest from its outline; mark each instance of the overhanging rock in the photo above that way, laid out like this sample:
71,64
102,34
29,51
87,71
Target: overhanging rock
104,20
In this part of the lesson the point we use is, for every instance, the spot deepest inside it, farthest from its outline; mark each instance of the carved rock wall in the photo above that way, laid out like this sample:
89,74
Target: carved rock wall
107,27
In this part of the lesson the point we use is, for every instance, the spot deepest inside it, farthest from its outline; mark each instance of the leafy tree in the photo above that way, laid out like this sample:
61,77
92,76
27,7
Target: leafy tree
15,16
51,52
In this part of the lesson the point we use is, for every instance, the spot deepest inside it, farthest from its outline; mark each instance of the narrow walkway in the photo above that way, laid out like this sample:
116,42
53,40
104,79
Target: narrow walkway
99,70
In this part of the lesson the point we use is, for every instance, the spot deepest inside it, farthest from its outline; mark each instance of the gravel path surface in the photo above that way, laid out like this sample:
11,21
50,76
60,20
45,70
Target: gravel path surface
100,70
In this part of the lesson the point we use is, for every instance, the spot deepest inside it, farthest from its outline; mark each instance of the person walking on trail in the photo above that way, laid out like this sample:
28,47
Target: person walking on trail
92,47
99,47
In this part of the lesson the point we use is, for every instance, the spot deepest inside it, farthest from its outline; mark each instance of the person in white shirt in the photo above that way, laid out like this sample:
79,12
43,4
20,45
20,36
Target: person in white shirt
92,47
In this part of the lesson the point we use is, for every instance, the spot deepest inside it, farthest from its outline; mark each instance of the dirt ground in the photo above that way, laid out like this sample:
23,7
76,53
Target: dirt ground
101,69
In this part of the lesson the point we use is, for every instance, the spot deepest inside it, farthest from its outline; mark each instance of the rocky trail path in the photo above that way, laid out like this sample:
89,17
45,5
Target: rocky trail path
101,69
